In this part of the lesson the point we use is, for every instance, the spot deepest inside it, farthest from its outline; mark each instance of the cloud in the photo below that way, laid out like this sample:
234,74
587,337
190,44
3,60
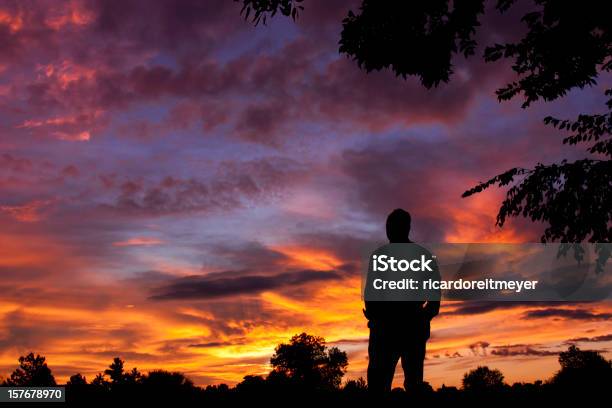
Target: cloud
29,212
521,350
343,342
595,339
218,285
74,128
408,172
234,185
475,308
570,314
8,162
138,241
19,330
250,255
214,344
467,308
167,24
479,347
266,97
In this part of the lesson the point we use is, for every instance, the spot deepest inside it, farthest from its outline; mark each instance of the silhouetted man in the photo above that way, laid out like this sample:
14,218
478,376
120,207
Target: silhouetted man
398,329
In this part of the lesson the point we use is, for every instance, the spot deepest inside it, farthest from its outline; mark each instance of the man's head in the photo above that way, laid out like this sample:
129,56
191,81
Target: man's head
398,226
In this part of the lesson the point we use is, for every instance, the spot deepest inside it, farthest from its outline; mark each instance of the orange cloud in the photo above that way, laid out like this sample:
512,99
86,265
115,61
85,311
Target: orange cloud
474,222
14,22
139,241
307,257
69,13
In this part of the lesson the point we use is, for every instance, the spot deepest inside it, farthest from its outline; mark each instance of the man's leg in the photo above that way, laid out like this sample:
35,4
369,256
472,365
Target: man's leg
381,363
412,363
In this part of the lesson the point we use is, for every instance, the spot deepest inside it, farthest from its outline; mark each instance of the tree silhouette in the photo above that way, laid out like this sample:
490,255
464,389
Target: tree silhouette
582,373
216,390
567,45
261,10
355,386
251,384
307,360
100,382
32,372
411,37
168,386
115,371
583,370
483,379
134,376
77,380
77,387
170,379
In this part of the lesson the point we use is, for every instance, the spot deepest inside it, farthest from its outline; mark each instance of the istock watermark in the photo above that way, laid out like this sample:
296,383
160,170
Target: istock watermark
500,272
383,263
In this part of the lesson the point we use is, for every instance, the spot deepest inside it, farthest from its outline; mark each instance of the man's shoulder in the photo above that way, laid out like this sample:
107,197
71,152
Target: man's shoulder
405,247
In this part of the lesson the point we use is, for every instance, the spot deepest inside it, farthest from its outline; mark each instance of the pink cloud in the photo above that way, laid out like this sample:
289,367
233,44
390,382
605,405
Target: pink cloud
139,241
30,212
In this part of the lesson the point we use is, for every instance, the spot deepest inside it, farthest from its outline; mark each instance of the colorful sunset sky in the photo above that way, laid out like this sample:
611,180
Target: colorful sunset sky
185,190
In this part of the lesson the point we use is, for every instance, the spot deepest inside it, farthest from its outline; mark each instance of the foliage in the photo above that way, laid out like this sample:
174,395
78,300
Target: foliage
307,360
483,379
115,371
583,369
100,382
566,45
581,372
162,378
263,9
251,384
356,386
411,37
118,375
77,380
32,372
572,197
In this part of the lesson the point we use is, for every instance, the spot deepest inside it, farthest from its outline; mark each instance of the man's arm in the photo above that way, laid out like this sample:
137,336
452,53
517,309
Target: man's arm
432,307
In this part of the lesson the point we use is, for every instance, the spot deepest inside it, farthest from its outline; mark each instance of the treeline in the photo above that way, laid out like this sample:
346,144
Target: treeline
306,369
